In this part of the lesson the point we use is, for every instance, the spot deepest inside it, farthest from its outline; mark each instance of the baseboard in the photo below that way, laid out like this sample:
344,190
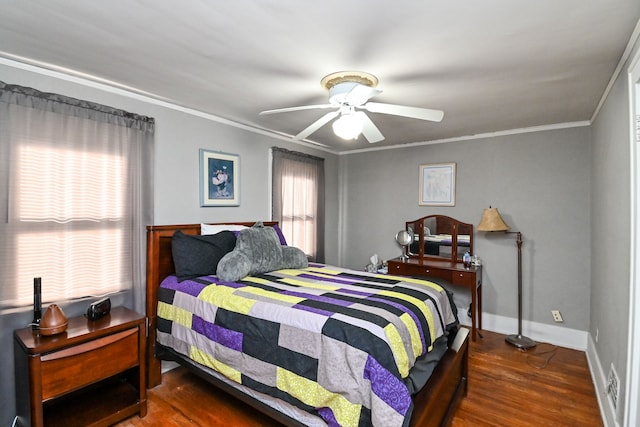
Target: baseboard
599,378
167,365
539,332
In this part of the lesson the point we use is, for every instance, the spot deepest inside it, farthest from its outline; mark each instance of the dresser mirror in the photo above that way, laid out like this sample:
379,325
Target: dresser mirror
440,237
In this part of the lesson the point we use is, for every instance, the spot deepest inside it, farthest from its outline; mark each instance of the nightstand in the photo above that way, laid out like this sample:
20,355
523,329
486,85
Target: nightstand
91,374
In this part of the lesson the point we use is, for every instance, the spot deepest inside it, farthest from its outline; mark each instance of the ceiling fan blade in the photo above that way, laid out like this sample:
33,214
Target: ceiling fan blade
289,109
361,94
369,130
316,125
403,110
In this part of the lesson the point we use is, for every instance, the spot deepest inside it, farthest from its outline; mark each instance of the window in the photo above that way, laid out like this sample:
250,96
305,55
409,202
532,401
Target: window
76,194
298,200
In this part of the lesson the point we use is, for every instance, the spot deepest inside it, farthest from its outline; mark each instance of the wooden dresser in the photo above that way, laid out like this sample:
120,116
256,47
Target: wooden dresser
453,273
91,374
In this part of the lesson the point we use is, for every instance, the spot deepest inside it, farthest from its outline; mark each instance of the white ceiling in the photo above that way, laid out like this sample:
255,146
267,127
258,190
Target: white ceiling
491,65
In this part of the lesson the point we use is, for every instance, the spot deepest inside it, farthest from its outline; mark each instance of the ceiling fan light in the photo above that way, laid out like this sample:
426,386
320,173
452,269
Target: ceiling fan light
348,126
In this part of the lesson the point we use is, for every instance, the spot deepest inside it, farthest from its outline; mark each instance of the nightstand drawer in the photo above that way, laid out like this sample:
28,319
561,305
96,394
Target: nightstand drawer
427,272
397,268
407,269
463,278
78,366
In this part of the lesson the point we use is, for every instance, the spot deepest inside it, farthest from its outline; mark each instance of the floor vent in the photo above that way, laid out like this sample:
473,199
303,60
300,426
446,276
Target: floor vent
613,387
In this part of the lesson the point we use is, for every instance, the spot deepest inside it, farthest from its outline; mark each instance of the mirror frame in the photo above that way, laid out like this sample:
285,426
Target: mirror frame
447,222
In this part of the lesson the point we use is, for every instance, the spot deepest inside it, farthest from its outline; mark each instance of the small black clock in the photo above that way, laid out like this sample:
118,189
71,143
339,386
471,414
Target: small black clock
99,309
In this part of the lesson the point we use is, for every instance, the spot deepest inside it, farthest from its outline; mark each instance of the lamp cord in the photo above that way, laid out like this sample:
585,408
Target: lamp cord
546,355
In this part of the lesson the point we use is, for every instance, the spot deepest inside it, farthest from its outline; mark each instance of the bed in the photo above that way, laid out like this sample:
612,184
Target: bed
432,405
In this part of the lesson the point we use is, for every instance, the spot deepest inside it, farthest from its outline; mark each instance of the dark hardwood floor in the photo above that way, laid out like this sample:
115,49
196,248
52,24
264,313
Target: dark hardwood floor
545,386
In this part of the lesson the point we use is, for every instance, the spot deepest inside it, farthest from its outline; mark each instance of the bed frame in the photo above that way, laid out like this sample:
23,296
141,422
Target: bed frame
434,405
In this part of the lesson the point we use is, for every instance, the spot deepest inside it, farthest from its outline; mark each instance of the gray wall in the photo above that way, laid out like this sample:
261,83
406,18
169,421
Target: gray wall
178,138
538,181
610,236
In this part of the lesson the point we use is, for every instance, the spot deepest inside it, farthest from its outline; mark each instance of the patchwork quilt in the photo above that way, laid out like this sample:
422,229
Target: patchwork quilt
337,343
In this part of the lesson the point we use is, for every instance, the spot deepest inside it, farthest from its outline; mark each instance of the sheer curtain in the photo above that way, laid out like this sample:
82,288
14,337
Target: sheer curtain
298,200
76,194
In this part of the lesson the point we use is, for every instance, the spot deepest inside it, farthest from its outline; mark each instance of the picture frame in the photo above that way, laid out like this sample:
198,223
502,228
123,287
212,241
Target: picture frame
219,178
437,184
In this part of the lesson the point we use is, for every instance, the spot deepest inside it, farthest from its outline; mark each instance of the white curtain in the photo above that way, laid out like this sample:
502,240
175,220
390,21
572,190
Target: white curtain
75,196
298,200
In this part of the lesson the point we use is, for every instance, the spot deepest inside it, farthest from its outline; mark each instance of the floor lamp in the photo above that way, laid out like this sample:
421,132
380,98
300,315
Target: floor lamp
492,221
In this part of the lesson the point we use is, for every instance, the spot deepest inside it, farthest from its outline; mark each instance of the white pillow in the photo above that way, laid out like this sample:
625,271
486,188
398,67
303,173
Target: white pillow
216,228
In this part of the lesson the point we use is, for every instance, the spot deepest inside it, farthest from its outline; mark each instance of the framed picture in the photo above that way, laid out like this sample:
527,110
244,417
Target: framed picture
438,184
219,179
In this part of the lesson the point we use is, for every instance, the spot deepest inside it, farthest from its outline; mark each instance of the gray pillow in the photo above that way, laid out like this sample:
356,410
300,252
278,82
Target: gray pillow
233,266
293,257
258,250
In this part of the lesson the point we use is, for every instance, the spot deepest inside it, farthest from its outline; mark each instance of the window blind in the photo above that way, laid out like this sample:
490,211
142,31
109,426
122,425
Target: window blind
76,194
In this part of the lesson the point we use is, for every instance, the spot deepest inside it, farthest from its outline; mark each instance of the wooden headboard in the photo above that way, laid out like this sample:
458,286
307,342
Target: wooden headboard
159,266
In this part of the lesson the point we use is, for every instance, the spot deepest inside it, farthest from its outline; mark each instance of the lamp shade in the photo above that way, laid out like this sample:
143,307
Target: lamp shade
492,221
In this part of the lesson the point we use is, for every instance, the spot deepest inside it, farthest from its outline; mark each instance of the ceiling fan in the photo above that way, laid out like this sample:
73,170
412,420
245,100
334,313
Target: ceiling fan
349,92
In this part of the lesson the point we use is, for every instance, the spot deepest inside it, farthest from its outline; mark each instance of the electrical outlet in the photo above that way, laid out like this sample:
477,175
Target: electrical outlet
557,317
613,387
